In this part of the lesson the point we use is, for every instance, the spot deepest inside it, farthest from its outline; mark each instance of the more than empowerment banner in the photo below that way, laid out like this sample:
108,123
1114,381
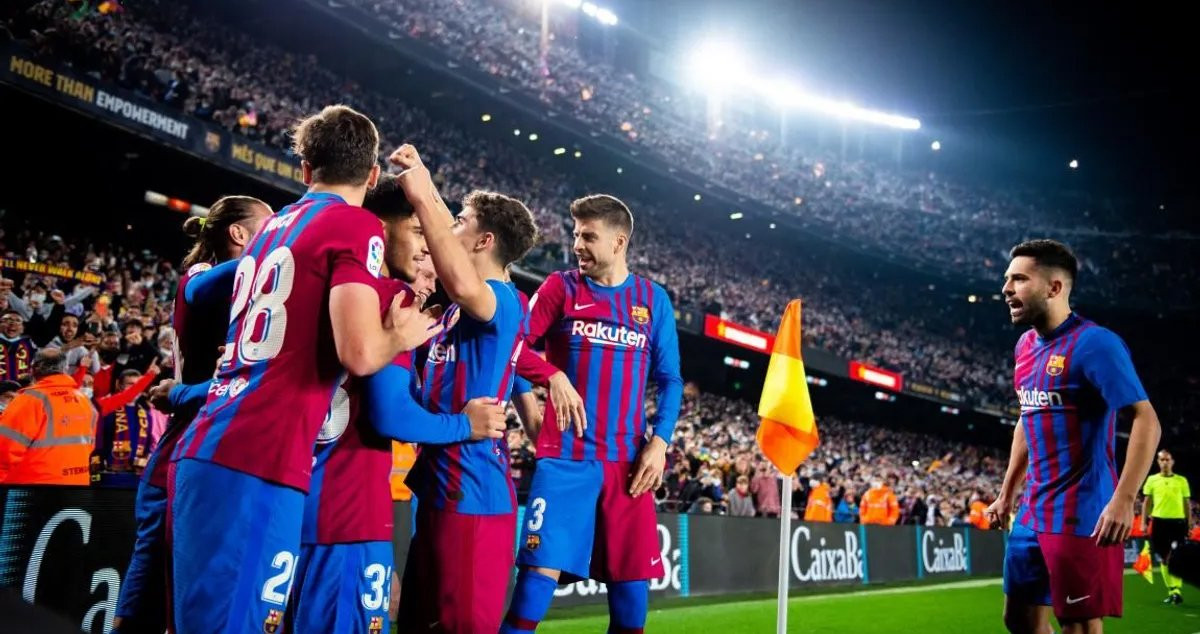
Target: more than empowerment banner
117,106
66,548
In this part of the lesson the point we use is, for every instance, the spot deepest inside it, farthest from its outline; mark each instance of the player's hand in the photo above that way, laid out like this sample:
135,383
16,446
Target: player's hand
1115,523
410,325
998,513
486,416
415,179
568,405
648,468
160,396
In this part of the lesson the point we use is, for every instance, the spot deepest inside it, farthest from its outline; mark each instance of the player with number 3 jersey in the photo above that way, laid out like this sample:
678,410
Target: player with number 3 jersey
304,312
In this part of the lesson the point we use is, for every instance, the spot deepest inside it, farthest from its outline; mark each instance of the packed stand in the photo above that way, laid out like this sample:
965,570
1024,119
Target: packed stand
115,336
211,71
943,225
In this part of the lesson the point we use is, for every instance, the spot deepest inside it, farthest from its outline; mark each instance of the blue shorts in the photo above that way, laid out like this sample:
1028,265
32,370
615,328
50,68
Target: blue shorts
342,588
142,605
581,520
235,541
1025,576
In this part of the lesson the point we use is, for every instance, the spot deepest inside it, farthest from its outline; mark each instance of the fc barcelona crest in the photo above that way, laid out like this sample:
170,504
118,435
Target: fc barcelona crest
271,623
640,314
532,542
376,625
1055,365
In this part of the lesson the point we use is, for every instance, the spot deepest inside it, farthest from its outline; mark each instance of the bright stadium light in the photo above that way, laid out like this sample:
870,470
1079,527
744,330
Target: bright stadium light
772,225
486,117
533,136
717,65
517,132
559,151
606,17
696,198
737,215
1074,164
935,146
578,154
590,9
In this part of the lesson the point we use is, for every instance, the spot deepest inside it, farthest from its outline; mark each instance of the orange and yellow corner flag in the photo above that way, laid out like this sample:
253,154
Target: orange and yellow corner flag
788,432
1143,564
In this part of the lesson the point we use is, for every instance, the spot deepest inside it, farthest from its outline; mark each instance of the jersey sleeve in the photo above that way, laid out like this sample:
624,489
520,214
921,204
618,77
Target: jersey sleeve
545,310
665,366
1108,366
506,303
395,413
521,386
1148,487
1187,489
356,253
190,396
213,284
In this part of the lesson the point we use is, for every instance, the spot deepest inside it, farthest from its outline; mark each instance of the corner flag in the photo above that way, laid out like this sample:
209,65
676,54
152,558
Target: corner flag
788,431
1143,563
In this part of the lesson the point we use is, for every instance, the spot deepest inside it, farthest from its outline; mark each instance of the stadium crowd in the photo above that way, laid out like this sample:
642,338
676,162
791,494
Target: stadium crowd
118,330
211,71
925,219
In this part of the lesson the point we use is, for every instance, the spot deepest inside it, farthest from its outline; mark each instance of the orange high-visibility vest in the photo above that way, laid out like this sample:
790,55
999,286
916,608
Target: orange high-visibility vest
879,506
820,507
47,434
978,518
404,454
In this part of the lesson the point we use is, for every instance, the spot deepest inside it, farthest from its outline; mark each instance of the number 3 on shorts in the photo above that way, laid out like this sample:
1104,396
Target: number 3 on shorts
285,563
537,507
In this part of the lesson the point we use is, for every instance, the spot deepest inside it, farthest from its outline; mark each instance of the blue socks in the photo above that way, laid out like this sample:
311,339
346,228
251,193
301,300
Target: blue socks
628,603
530,601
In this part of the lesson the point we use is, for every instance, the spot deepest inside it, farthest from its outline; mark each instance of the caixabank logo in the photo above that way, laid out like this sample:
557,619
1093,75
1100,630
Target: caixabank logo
944,553
65,548
832,557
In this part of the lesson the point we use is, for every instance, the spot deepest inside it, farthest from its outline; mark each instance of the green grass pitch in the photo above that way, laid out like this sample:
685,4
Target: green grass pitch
963,607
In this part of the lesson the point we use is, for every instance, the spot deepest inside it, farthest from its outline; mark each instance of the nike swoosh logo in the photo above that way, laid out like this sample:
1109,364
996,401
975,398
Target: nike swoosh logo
654,562
1071,601
583,306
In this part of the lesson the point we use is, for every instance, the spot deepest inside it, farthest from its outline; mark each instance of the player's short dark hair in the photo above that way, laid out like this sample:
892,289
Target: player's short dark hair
506,218
339,143
1048,253
387,200
608,209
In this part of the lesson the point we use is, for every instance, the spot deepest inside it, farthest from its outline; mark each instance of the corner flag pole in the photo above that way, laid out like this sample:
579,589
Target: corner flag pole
785,538
787,433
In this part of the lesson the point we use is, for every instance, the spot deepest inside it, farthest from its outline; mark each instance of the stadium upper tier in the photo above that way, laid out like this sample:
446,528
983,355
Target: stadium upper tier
854,309
961,229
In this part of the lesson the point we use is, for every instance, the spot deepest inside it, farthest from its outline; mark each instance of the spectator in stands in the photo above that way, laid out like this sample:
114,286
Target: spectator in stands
108,353
128,431
8,390
16,350
765,487
48,430
702,506
68,330
741,503
913,509
847,509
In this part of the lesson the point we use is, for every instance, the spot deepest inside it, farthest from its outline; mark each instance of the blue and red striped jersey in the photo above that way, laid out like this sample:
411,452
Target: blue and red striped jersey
1071,384
349,497
470,359
277,377
200,329
609,341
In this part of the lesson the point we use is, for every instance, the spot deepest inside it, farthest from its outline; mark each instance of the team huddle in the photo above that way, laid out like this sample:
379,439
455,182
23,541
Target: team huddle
266,506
